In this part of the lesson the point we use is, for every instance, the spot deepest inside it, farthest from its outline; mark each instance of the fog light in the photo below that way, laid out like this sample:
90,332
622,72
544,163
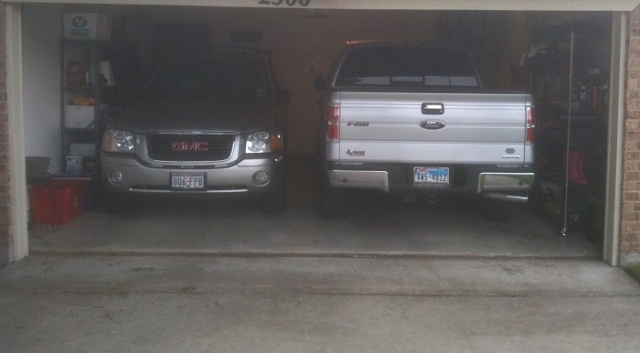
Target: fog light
116,177
261,177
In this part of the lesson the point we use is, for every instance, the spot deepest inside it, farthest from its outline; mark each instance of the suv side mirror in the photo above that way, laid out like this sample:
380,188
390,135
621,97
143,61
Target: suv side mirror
320,84
283,96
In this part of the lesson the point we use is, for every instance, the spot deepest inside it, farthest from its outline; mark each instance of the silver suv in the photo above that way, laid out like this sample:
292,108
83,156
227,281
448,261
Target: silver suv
204,125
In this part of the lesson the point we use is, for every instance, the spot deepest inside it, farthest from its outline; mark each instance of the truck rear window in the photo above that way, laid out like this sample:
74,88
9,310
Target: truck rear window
407,67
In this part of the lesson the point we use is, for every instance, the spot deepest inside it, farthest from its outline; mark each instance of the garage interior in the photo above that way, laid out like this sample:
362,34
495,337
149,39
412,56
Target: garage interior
514,50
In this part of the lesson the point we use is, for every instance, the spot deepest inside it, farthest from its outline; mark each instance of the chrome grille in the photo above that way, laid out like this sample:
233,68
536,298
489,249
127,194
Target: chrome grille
189,148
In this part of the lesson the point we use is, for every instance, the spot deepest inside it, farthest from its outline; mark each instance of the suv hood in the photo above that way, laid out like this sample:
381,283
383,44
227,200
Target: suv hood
197,115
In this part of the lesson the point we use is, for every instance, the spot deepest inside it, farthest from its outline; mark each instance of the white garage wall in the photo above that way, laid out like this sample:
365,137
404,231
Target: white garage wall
41,33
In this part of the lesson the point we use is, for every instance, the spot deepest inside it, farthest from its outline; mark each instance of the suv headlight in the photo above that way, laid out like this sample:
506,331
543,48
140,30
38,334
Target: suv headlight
119,141
263,142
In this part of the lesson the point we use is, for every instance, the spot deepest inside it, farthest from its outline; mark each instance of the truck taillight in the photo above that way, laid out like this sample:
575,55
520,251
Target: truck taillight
333,122
531,125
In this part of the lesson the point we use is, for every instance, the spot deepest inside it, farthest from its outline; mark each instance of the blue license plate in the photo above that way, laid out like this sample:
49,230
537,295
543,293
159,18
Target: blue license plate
431,176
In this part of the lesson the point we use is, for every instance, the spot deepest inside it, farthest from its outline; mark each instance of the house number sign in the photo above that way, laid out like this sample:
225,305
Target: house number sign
289,3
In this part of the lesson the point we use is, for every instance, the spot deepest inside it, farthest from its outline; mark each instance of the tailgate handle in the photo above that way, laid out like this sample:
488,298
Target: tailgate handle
432,108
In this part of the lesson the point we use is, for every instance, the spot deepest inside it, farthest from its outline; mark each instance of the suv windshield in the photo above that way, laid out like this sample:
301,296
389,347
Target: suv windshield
212,78
407,67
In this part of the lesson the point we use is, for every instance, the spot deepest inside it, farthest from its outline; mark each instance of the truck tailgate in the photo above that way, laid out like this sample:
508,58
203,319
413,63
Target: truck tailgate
471,128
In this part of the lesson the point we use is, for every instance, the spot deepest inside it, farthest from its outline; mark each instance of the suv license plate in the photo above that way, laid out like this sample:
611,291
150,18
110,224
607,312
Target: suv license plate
188,181
431,176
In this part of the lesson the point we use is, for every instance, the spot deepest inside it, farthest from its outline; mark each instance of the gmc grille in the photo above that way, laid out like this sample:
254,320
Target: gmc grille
187,148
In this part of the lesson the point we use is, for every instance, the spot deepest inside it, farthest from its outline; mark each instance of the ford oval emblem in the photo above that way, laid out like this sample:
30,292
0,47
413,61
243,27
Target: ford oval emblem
432,124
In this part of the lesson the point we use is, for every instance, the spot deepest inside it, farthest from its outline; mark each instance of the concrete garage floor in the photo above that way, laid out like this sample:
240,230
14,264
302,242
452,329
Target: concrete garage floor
417,278
169,304
373,226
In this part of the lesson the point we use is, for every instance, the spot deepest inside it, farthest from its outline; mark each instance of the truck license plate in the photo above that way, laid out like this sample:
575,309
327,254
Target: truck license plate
187,181
428,176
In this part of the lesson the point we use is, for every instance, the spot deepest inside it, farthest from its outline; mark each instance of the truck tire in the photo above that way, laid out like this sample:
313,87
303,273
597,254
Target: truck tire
331,200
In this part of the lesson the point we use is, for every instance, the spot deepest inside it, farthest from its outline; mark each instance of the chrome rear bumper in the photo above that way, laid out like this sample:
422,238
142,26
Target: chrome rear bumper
510,186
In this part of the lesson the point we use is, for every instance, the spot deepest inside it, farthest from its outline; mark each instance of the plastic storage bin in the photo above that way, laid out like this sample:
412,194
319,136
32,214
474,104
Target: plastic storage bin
59,202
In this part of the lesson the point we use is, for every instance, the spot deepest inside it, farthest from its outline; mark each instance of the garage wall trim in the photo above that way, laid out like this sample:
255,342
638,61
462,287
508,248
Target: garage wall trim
494,5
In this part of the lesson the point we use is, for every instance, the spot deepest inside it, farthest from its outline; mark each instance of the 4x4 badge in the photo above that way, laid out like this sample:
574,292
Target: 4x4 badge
353,153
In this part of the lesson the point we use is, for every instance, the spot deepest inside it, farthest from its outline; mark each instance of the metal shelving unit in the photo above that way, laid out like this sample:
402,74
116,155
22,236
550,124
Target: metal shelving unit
81,105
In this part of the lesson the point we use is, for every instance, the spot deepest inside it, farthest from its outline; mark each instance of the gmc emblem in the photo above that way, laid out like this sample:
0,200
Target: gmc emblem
185,146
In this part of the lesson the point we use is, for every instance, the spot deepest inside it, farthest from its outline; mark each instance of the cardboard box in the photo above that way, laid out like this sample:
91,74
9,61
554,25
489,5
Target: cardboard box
79,116
88,26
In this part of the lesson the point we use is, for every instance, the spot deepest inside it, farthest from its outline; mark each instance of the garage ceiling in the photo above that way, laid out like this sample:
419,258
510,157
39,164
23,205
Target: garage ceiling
510,5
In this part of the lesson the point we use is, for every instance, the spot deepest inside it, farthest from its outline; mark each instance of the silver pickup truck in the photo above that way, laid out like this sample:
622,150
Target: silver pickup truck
415,119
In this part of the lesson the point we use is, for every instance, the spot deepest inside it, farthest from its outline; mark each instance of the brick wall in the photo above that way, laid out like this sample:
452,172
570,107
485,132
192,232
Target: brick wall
630,232
5,221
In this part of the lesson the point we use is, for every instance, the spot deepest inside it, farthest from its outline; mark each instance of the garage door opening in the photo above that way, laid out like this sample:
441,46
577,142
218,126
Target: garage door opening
523,50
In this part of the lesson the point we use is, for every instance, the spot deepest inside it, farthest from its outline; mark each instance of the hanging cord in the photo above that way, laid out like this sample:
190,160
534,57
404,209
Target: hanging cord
563,232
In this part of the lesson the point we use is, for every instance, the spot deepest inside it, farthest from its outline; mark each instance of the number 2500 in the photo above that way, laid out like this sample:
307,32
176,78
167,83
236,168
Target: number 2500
285,2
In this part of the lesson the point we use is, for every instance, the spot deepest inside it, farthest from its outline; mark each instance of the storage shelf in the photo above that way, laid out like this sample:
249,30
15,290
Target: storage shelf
78,126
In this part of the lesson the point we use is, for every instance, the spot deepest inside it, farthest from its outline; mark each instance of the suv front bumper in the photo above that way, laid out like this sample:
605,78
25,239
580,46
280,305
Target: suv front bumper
235,178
